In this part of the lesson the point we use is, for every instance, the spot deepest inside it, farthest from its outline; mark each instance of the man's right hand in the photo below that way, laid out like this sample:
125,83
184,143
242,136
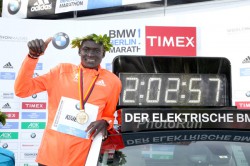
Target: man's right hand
37,47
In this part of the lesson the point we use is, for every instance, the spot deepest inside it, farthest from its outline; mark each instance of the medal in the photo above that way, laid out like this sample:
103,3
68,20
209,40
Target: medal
82,117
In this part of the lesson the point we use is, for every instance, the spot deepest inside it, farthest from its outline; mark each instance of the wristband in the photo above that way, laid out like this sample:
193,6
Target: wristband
32,56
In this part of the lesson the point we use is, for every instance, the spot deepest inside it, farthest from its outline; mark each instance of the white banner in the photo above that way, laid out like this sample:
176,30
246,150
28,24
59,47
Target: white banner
72,5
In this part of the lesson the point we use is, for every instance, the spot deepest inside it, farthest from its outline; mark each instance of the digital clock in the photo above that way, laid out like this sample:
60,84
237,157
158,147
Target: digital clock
173,81
172,89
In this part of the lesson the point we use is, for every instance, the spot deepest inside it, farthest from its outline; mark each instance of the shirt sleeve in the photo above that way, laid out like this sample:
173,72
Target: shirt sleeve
108,112
25,85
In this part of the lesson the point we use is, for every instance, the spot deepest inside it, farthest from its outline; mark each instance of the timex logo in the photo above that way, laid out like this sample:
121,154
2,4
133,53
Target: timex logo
33,105
172,41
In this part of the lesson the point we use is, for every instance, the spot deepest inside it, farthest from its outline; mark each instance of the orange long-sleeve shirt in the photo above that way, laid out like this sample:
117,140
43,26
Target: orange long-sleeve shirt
58,149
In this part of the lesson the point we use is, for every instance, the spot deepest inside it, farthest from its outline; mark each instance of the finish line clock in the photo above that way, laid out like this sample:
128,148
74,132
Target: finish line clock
173,81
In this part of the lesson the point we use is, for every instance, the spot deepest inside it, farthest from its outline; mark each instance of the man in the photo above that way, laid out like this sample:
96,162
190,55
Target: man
86,83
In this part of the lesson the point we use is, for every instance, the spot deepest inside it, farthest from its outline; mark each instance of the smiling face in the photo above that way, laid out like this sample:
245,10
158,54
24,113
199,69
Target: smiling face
91,54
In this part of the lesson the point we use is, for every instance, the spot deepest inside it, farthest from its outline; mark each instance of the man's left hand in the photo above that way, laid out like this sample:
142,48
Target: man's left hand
98,126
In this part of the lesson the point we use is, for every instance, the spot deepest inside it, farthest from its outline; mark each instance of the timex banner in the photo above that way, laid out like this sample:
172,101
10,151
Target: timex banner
148,119
171,41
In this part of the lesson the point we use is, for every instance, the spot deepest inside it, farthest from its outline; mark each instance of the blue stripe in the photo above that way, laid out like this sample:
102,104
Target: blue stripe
71,131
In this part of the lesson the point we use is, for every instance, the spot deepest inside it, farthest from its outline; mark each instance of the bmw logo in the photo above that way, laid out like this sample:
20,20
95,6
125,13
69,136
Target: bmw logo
248,94
34,96
33,135
60,40
5,145
14,6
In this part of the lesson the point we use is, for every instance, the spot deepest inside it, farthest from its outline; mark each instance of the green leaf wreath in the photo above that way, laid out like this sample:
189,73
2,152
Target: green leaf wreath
3,118
104,40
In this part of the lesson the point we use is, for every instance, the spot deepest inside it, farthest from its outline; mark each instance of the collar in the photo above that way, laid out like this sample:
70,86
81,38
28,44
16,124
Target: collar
89,70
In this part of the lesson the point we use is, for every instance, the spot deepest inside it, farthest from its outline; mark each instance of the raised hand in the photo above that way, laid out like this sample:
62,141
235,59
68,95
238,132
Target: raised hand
37,47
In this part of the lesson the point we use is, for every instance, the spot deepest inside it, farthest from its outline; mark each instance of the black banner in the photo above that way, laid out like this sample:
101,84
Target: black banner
38,8
152,119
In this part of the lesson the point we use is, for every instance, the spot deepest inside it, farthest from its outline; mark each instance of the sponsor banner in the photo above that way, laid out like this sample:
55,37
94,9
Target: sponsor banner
27,164
244,71
35,8
70,5
8,135
60,40
33,135
95,4
243,105
12,38
242,95
246,60
12,115
40,7
149,119
9,145
33,115
39,66
33,125
14,8
131,139
16,155
37,96
125,41
28,155
75,5
108,66
7,75
8,65
170,41
7,95
29,145
34,105
9,105
9,125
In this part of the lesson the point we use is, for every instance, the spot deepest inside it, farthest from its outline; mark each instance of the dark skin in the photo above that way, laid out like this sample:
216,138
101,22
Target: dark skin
91,55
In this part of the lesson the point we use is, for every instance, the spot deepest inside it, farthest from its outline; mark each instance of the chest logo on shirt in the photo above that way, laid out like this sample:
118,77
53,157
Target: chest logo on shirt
101,83
75,77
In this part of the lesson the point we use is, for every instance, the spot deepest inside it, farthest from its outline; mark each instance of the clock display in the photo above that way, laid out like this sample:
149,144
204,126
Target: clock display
158,81
168,89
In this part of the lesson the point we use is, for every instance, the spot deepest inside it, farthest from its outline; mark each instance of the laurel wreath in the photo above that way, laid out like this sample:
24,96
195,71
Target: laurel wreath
3,118
99,39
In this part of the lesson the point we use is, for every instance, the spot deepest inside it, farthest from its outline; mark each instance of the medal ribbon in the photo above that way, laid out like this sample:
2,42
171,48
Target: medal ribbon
83,99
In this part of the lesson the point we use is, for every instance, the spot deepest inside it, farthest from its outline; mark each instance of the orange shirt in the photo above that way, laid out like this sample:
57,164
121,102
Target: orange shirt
58,149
